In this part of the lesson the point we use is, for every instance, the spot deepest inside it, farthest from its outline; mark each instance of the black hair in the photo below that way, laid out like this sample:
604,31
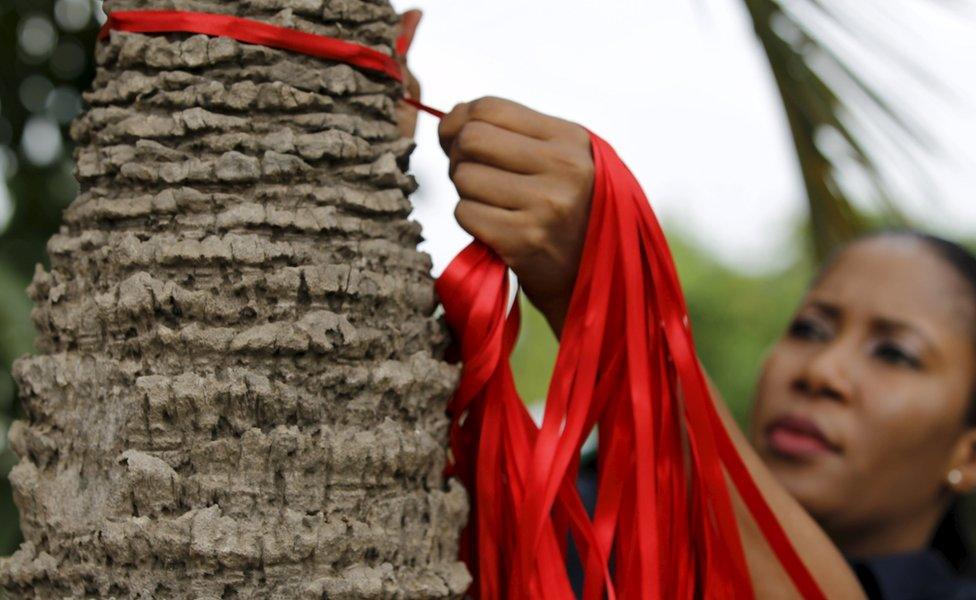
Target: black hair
950,538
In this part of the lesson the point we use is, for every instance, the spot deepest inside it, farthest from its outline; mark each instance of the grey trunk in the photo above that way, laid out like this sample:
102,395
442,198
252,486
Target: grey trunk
238,390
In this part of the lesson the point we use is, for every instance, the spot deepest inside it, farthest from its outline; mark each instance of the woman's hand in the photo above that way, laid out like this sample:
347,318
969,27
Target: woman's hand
406,115
525,181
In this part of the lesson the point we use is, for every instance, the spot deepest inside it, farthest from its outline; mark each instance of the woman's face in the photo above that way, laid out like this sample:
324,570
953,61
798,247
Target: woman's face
861,405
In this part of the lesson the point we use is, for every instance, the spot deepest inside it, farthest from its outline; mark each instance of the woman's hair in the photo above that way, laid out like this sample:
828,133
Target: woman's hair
949,538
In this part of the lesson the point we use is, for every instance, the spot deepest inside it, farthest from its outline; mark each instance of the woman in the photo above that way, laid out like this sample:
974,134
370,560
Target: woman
864,426
864,409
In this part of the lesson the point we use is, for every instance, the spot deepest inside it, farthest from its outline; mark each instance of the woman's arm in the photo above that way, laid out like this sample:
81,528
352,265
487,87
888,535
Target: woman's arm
818,552
525,182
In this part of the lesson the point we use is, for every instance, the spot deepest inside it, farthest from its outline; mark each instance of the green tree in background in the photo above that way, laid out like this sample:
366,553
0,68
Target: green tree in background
45,62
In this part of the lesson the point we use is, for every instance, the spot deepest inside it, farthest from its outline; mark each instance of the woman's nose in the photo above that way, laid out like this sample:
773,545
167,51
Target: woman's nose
826,374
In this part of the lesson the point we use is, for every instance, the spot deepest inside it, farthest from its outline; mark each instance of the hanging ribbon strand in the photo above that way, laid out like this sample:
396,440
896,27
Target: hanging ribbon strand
626,365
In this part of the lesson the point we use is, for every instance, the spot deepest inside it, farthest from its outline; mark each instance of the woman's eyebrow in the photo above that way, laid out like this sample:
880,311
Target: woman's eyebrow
831,311
883,324
894,325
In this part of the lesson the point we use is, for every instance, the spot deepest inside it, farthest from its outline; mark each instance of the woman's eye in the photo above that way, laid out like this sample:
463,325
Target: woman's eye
895,355
808,329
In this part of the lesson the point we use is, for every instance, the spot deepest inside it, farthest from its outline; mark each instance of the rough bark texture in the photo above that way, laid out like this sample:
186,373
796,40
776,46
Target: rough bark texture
238,391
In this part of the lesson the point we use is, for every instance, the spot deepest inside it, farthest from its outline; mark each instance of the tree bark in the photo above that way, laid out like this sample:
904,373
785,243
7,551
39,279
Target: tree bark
238,390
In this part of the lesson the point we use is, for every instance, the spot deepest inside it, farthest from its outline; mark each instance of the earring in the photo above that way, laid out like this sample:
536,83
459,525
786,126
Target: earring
954,477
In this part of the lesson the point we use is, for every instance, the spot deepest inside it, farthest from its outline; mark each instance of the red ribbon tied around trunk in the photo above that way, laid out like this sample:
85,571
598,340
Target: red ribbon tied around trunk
626,365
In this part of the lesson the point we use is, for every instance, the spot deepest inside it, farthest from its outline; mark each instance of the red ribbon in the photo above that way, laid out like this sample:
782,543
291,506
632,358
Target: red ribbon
626,350
626,365
260,33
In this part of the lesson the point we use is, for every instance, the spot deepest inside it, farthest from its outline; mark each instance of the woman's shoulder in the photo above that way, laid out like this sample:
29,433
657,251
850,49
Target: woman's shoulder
920,575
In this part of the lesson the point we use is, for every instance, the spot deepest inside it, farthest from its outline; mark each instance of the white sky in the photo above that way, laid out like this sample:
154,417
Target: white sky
681,89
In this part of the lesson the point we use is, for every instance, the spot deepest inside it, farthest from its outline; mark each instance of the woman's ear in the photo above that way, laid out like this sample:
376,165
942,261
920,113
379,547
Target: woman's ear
961,475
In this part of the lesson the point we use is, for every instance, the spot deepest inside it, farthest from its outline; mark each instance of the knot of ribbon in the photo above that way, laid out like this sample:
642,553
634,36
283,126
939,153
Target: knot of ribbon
626,366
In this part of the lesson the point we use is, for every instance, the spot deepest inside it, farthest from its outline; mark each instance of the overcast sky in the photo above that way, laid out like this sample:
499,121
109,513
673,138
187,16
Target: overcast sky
682,91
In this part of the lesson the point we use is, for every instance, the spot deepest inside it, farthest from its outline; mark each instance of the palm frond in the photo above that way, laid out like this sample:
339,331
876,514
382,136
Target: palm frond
834,63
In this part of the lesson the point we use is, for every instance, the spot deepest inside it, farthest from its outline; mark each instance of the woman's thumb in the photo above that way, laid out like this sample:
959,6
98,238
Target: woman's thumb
408,27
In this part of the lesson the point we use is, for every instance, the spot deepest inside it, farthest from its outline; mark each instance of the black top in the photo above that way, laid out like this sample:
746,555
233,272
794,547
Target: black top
922,575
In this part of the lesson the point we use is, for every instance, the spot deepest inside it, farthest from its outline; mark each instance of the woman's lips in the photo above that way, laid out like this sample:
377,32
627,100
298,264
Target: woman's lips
798,437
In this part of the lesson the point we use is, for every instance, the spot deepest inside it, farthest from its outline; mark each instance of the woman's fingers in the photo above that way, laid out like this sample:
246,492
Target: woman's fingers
451,124
496,227
489,144
406,29
515,117
500,113
493,186
406,114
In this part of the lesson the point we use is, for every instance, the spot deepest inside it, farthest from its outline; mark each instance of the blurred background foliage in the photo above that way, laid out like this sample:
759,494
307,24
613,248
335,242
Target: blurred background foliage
833,110
45,64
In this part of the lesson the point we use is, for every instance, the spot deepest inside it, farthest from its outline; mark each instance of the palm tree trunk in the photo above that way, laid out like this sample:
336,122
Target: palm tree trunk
238,389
